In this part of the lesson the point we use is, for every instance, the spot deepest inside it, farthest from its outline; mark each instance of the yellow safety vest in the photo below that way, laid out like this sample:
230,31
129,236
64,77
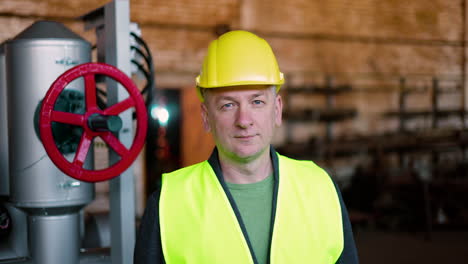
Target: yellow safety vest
198,224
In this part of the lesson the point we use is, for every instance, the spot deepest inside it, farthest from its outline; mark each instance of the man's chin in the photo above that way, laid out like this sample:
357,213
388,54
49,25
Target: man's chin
247,155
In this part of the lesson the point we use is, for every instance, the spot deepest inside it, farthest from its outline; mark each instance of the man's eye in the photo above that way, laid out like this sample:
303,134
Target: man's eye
227,106
258,102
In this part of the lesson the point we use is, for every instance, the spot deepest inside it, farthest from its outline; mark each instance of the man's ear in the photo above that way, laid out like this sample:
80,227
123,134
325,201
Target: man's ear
204,115
278,110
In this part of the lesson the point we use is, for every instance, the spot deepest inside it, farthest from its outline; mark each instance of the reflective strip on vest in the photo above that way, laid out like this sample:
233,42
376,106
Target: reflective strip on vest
198,224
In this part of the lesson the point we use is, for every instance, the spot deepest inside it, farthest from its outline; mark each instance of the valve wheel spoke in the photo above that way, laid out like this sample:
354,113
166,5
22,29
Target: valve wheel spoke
115,144
83,148
120,107
90,91
68,118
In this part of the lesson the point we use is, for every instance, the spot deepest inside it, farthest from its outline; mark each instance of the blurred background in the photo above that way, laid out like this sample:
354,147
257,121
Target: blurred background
375,93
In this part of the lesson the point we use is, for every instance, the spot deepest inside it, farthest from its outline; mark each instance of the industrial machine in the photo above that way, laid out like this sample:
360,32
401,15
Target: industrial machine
51,112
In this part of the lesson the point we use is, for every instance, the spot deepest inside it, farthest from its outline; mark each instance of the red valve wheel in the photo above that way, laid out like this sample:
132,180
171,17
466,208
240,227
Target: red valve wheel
48,115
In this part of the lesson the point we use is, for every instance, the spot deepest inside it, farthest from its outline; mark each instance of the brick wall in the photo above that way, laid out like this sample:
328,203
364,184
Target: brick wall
309,37
366,43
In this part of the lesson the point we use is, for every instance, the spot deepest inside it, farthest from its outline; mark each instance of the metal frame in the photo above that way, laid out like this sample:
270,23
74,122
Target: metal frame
122,188
112,24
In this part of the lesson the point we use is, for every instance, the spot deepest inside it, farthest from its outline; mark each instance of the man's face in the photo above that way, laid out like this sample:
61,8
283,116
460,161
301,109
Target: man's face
242,119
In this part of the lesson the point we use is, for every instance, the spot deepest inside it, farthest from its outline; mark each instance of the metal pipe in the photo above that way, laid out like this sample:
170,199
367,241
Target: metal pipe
54,239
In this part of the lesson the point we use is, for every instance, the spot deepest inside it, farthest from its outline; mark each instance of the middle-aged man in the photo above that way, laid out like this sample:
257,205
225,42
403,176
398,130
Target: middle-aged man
246,203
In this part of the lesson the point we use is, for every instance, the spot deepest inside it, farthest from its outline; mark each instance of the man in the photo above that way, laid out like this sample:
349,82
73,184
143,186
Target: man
246,203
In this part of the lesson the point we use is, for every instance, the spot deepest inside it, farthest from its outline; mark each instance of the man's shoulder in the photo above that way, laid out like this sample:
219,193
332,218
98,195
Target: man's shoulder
297,162
309,167
188,169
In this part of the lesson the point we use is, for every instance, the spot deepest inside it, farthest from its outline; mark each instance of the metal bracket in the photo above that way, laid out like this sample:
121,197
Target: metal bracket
112,24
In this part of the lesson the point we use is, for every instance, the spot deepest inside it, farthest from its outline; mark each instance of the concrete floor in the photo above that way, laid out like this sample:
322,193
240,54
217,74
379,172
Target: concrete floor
409,248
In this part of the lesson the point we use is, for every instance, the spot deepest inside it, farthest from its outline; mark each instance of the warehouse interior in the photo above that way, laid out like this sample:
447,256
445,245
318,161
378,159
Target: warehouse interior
375,93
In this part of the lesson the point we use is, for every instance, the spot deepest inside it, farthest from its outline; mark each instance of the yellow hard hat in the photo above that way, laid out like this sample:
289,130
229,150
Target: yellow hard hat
239,58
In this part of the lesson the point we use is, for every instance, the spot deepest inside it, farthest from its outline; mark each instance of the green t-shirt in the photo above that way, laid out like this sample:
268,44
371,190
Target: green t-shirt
254,201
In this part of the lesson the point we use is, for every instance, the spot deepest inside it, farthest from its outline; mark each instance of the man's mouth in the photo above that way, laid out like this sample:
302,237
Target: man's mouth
244,136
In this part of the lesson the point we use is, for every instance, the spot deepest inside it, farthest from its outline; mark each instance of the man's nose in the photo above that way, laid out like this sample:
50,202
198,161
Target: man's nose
244,117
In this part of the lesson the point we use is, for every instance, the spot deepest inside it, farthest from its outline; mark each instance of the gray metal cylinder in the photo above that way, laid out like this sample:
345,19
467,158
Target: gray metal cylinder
54,239
34,59
4,175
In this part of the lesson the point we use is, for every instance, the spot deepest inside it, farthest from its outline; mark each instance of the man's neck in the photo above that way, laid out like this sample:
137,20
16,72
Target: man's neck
249,172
